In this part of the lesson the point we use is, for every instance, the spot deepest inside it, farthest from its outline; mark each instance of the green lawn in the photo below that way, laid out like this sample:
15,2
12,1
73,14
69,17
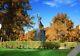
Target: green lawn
78,54
32,52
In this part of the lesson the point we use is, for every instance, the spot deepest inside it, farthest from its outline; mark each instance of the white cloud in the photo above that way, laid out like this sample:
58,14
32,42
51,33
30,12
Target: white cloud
51,4
57,3
71,3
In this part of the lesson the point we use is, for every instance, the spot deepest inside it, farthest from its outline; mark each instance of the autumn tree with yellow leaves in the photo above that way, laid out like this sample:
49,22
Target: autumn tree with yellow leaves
13,17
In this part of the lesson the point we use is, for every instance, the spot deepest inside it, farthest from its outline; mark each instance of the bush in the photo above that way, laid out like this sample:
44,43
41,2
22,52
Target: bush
56,45
48,45
51,45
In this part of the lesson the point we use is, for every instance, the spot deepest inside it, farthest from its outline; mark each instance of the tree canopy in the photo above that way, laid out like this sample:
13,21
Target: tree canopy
60,27
13,17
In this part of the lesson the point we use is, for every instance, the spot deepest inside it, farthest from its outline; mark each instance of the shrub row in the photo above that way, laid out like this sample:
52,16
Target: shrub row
51,45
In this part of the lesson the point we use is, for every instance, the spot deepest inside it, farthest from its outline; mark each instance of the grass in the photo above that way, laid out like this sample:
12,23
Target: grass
78,54
32,52
31,44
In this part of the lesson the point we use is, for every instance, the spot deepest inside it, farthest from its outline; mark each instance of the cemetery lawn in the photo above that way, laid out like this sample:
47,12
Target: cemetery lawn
78,54
32,52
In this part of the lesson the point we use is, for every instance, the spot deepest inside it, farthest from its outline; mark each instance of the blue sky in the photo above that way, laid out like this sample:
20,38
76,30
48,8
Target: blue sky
47,9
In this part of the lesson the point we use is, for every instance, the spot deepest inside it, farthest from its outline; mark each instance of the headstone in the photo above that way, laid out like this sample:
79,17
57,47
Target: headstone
0,26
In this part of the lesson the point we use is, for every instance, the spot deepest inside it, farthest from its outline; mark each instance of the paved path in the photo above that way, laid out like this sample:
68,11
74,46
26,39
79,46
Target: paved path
75,51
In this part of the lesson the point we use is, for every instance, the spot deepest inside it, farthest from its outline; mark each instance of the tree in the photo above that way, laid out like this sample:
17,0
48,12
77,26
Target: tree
14,17
60,27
